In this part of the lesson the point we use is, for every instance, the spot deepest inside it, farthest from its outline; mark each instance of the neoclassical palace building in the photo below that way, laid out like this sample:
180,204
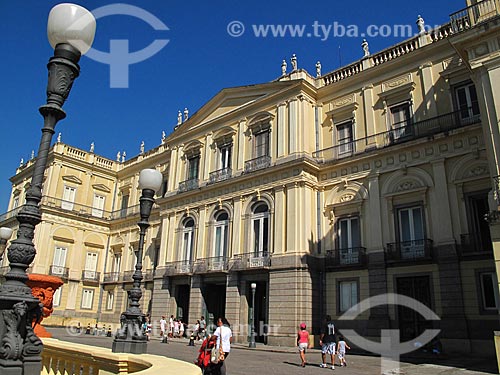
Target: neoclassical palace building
322,190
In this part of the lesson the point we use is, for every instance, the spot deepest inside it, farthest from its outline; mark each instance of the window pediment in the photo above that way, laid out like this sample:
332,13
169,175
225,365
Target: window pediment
102,188
398,86
72,178
260,123
192,149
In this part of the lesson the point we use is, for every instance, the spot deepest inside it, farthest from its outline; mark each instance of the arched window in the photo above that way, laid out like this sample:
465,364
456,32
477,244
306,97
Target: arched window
187,239
260,229
221,236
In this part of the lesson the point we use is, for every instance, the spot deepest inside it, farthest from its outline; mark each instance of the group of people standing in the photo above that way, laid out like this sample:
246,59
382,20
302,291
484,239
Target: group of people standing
329,344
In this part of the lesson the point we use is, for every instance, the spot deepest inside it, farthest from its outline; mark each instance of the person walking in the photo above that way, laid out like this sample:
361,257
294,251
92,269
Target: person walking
303,343
203,326
341,348
223,337
327,341
163,326
171,326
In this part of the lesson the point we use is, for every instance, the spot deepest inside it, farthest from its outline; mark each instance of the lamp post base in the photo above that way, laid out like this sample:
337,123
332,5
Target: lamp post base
128,346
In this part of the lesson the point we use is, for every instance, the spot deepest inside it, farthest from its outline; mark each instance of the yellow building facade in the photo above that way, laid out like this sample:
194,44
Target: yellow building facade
323,191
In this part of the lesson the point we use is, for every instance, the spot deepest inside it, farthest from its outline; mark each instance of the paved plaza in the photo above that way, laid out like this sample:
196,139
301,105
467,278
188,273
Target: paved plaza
280,360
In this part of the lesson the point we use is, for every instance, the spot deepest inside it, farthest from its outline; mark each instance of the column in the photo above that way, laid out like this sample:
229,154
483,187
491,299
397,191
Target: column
240,162
429,96
207,159
281,131
233,302
196,301
440,204
201,240
292,213
237,235
280,220
292,125
172,170
369,113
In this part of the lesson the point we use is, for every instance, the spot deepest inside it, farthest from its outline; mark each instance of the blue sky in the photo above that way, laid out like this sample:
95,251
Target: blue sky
200,59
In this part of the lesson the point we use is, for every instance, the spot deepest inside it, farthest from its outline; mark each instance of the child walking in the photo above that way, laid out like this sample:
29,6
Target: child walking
303,342
341,350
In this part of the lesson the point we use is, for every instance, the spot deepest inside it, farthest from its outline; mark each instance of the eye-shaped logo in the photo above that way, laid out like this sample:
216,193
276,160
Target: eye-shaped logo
390,347
119,57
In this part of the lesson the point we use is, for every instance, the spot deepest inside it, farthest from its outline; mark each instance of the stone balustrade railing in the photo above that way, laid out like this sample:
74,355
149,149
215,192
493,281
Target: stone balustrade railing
65,358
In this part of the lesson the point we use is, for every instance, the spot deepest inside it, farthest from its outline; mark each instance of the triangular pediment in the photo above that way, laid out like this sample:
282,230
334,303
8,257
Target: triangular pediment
72,178
102,188
230,100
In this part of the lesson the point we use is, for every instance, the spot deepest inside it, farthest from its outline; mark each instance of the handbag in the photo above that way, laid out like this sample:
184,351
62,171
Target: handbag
217,354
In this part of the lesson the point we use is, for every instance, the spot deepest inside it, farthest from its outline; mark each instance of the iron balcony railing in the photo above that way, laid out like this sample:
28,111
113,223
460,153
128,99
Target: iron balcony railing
252,260
178,268
111,277
472,15
60,271
220,175
187,185
475,244
90,276
212,264
79,209
409,250
402,132
347,257
257,163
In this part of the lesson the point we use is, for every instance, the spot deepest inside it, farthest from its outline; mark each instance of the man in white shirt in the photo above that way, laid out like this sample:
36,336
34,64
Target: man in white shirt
224,337
163,326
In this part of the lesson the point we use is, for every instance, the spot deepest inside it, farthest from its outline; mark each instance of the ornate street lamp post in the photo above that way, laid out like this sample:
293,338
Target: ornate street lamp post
252,310
130,338
70,30
5,234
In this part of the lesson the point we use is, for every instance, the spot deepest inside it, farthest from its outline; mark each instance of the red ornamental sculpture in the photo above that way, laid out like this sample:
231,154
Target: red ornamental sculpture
43,287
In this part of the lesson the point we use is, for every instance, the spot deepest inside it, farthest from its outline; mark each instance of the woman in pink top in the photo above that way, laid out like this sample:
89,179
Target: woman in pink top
303,342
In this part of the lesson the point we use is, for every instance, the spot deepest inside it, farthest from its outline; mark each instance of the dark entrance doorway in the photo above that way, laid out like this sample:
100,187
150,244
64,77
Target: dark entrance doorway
215,302
182,300
260,317
411,323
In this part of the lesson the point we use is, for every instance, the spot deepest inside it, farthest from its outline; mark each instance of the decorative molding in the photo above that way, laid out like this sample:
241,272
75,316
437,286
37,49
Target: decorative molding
63,239
101,187
343,101
95,245
397,85
407,185
73,179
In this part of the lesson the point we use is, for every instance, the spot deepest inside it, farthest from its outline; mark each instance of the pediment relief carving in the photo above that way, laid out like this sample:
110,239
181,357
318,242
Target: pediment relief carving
397,85
478,170
407,185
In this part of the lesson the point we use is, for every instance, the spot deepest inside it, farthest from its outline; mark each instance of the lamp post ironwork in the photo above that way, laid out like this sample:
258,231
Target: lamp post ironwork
130,338
253,286
70,30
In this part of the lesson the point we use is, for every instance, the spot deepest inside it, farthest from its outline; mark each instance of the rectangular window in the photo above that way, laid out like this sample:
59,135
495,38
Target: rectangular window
98,205
479,229
261,234
91,266
400,120
349,240
345,138
15,204
110,301
124,206
68,199
467,103
87,298
261,144
188,245
411,232
193,168
348,294
225,157
59,261
489,291
117,259
56,299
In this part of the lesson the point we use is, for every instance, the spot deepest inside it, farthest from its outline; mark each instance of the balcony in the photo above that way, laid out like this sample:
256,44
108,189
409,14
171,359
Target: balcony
474,245
187,185
408,251
403,133
469,17
111,277
345,258
183,267
257,163
248,261
90,276
60,271
220,175
213,264
75,208
10,214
